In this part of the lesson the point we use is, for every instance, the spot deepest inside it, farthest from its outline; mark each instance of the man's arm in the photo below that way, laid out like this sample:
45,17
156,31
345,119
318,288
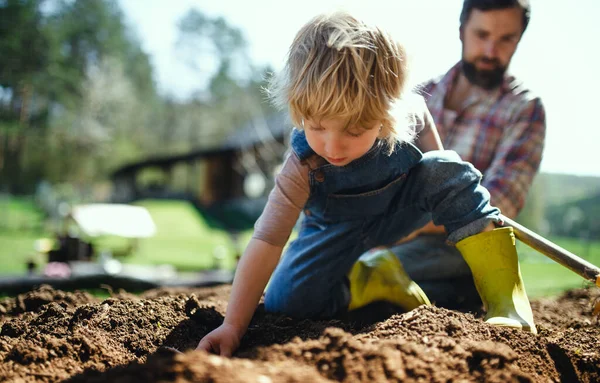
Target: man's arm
429,228
428,138
517,159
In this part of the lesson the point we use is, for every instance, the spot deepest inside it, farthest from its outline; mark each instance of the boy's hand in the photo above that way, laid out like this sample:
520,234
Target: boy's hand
251,277
223,340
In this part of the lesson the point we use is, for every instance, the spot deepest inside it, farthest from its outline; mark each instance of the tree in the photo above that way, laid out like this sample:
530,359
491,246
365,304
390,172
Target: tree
234,91
76,88
50,53
23,57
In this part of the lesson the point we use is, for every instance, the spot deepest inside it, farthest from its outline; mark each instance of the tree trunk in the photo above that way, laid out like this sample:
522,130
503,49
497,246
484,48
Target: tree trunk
2,150
12,146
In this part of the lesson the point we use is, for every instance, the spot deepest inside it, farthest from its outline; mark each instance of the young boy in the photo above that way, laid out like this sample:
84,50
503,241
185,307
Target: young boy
361,184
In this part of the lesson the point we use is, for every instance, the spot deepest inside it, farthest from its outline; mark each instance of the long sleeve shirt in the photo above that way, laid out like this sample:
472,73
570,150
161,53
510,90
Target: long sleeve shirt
501,132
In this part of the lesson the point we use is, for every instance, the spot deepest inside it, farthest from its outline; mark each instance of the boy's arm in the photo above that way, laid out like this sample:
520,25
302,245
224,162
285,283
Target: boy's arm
271,233
251,277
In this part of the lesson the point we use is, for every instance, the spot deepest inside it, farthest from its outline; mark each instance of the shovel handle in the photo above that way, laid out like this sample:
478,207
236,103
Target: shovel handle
554,252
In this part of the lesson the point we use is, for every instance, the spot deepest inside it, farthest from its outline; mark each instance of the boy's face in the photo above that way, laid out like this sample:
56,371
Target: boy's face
338,143
489,40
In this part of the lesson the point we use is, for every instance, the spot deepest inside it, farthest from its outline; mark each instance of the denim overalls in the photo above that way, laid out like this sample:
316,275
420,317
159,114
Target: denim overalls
375,200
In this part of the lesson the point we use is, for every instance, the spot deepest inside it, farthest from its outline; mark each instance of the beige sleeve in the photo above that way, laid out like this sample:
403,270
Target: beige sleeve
286,200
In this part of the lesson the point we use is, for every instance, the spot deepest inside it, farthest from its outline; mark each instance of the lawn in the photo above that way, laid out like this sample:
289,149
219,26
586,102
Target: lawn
543,276
185,241
19,214
21,223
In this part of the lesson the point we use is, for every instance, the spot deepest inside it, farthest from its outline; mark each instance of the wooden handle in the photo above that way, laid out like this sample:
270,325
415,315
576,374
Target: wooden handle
555,252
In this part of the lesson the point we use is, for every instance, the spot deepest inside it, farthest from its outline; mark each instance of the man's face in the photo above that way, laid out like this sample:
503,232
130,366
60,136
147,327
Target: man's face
489,40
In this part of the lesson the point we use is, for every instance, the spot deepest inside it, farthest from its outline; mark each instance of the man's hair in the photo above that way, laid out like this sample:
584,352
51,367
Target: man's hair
337,66
487,5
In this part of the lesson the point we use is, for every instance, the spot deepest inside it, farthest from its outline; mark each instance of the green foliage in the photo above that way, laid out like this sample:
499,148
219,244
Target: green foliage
21,65
55,67
561,188
234,92
578,219
197,29
563,205
78,97
83,33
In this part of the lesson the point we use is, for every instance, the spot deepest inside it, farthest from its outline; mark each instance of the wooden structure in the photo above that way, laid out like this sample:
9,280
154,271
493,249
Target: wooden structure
228,184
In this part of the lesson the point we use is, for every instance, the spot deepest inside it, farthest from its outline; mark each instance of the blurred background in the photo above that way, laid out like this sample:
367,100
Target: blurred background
159,104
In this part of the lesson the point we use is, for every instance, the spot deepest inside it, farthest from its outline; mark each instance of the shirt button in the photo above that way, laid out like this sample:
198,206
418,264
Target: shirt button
307,213
319,176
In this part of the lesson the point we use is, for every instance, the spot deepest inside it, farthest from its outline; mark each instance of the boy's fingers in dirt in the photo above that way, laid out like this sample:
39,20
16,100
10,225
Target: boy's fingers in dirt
208,346
214,348
170,349
226,351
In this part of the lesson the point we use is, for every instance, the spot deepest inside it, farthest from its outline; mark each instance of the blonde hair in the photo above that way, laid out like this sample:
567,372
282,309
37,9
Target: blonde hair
337,66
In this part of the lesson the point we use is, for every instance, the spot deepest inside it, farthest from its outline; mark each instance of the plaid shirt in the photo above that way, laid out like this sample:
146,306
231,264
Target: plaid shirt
501,132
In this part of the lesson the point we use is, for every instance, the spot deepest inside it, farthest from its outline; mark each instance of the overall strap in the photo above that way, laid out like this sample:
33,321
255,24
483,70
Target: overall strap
300,145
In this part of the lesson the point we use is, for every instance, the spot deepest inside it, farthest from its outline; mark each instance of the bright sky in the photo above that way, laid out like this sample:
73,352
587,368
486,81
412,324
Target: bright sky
556,57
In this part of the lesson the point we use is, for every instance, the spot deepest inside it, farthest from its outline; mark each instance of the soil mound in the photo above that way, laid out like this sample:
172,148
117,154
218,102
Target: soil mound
50,335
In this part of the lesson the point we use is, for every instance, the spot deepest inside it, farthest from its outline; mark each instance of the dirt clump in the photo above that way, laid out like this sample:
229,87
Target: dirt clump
49,335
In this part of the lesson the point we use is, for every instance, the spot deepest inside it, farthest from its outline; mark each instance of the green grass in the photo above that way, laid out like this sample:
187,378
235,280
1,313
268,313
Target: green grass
183,239
21,223
545,277
549,279
15,250
19,214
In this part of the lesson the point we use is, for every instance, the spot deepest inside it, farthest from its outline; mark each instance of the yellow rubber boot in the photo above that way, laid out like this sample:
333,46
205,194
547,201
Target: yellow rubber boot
492,258
379,276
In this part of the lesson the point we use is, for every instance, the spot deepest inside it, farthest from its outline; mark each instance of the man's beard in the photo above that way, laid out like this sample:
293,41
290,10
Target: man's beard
487,79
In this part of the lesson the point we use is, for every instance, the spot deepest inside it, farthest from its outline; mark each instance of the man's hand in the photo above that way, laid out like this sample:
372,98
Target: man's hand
430,228
223,340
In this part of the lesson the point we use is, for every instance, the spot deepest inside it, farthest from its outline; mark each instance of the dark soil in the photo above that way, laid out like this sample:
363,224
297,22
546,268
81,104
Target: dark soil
49,335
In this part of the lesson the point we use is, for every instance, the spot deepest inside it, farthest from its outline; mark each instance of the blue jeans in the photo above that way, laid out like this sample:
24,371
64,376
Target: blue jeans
310,280
440,270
